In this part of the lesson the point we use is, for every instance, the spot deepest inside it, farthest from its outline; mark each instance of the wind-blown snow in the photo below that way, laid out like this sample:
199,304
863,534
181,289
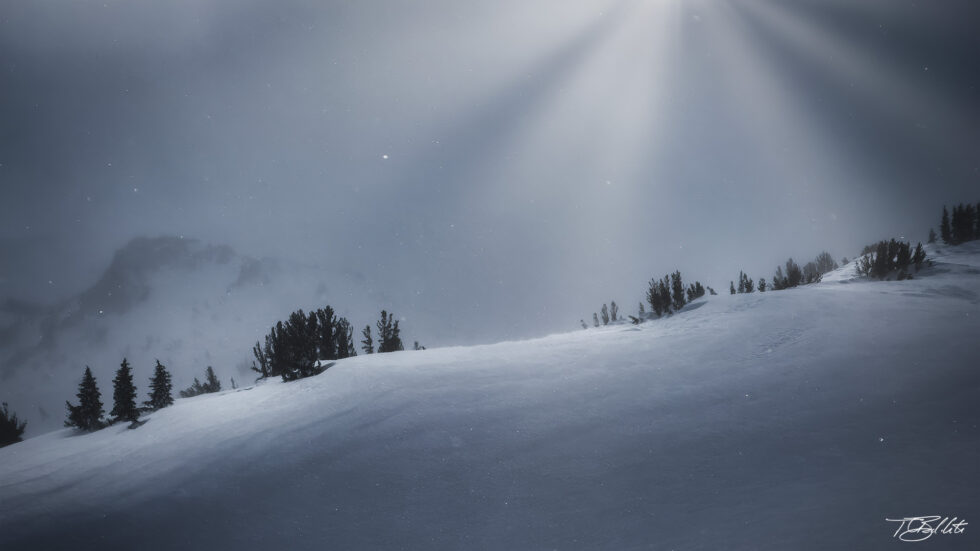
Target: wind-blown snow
796,419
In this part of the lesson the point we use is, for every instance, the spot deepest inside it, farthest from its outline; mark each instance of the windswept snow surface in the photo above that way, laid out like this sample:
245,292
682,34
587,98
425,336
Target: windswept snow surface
798,419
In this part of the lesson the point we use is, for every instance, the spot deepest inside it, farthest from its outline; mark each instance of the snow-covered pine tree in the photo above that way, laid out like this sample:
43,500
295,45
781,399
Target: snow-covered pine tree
161,389
604,314
124,395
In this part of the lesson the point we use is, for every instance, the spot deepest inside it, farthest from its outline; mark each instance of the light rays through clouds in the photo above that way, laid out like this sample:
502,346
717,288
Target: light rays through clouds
554,155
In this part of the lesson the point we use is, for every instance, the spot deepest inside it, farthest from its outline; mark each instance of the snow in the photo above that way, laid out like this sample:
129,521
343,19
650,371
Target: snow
797,419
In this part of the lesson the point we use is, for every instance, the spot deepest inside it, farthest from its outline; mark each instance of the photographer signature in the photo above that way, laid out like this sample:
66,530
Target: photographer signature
922,528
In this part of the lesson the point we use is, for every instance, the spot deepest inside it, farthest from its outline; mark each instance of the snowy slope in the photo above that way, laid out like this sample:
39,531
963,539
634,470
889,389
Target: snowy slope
797,419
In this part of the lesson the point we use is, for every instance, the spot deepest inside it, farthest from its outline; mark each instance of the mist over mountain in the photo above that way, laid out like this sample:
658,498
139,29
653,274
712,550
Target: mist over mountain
185,302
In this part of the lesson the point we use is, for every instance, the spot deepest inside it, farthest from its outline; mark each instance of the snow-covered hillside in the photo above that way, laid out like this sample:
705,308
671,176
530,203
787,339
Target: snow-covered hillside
798,419
184,302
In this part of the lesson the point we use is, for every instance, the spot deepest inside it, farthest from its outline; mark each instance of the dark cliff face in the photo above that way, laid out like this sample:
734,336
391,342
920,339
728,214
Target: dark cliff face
126,281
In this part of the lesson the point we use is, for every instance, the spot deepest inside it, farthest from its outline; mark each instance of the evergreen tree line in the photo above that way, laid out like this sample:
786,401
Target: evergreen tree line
665,296
293,347
964,226
296,348
788,276
884,258
211,384
89,413
668,295
607,314
811,272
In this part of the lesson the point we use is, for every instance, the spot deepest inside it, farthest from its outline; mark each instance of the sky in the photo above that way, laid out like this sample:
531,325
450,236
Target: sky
518,163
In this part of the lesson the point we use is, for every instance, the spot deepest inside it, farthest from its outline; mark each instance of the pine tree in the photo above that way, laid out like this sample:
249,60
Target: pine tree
918,257
211,382
944,230
583,324
741,283
595,319
665,296
932,236
811,273
762,285
825,263
968,216
642,311
11,428
653,297
793,274
388,333
161,389
976,230
731,287
326,334
613,311
778,279
677,290
87,415
346,348
195,389
604,313
262,358
124,395
419,346
367,343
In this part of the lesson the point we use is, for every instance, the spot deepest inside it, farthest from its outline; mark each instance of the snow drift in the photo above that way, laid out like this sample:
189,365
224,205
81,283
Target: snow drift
798,419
